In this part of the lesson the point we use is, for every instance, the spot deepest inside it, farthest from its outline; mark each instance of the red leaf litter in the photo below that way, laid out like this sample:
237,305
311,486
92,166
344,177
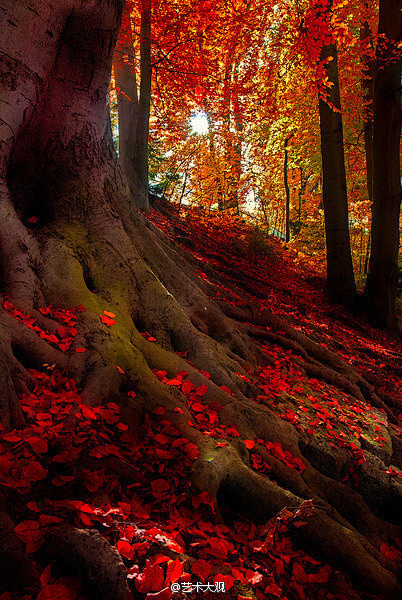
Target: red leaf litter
167,533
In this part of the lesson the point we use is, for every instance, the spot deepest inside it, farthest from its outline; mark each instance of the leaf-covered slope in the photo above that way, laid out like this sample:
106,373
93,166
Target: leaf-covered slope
77,476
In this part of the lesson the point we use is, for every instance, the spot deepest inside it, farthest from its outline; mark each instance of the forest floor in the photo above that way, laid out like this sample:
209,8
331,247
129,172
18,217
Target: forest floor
69,457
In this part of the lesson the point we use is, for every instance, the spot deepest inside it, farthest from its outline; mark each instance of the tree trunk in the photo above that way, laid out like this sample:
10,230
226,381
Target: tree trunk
69,236
382,280
340,283
134,108
286,183
366,36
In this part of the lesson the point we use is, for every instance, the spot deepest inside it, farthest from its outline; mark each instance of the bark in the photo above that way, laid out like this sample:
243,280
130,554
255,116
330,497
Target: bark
90,247
368,97
286,183
340,278
382,280
133,104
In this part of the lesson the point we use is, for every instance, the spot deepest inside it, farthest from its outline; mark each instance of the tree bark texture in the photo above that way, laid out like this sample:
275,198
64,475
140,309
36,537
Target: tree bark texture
382,280
340,278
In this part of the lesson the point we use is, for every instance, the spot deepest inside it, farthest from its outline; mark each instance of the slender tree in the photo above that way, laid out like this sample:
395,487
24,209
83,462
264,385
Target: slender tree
340,278
382,280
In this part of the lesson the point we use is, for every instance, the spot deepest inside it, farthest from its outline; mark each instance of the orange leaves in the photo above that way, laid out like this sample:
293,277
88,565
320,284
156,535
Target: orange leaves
198,94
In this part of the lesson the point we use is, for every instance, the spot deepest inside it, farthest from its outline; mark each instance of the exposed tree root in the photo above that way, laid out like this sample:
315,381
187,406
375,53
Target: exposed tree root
320,362
93,559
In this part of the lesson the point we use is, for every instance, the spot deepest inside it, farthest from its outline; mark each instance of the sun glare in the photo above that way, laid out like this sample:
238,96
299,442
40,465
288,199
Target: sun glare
199,123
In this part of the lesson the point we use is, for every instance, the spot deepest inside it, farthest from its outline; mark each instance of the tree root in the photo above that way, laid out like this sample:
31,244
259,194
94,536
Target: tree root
98,563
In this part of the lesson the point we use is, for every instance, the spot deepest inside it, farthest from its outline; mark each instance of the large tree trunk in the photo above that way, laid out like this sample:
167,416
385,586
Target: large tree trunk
340,278
90,247
382,280
134,107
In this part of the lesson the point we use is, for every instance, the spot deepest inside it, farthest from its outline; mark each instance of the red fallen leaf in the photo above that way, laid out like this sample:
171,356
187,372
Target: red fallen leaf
173,381
80,350
37,444
221,444
219,548
201,390
131,393
107,320
321,576
203,498
158,559
60,480
121,426
62,332
299,574
120,370
164,594
226,579
390,552
179,410
238,576
159,485
174,546
198,407
109,314
174,571
7,305
46,520
249,444
226,389
46,575
159,410
29,532
91,479
26,530
35,471
11,437
150,580
187,387
201,568
33,220
81,308
273,589
191,451
125,549
161,438
125,509
57,591
87,412
253,577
